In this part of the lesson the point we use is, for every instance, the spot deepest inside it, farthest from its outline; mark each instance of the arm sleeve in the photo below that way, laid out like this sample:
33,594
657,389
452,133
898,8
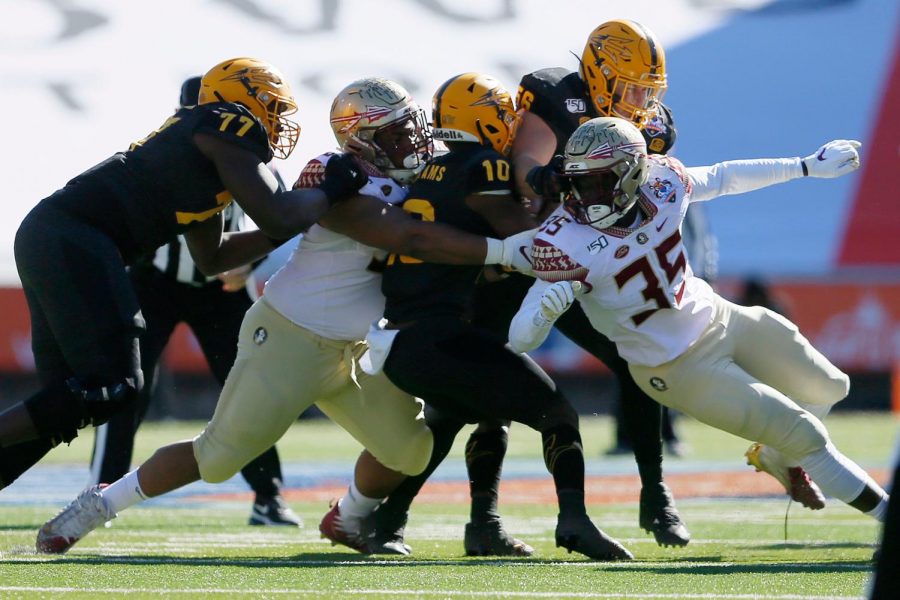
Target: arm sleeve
525,331
739,176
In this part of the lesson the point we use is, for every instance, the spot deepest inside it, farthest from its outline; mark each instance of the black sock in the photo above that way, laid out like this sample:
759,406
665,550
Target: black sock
263,474
564,458
484,462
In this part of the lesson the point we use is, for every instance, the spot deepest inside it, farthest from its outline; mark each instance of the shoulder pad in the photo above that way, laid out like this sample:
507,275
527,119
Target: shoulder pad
235,124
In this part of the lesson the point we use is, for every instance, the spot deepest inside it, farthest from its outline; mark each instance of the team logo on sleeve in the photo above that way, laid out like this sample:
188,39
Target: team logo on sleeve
663,189
552,264
658,384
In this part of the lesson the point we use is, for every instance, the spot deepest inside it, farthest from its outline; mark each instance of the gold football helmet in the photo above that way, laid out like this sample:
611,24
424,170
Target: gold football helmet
377,120
624,67
261,88
606,164
474,107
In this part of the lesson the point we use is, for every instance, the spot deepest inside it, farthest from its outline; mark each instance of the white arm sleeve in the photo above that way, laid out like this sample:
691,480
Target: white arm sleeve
739,176
525,331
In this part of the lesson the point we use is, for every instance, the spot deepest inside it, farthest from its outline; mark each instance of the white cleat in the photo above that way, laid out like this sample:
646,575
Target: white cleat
84,514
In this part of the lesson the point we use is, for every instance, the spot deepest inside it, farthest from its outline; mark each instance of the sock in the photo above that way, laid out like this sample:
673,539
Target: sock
484,462
837,475
355,507
124,493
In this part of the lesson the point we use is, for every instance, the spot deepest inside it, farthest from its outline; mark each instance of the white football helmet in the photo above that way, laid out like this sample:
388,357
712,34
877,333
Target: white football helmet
377,120
605,164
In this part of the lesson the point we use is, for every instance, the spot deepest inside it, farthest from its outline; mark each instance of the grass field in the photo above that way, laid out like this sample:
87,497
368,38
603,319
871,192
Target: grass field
198,546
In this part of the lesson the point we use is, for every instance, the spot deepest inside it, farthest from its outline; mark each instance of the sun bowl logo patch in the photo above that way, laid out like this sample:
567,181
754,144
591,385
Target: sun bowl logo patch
663,190
552,264
260,336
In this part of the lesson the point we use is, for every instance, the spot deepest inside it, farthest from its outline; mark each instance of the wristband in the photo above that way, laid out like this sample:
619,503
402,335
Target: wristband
494,255
804,167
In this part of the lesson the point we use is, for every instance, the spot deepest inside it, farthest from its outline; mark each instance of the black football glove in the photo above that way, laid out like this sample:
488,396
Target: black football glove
547,181
343,178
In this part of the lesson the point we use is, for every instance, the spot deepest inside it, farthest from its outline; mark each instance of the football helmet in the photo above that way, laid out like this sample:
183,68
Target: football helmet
605,164
261,88
624,68
474,107
377,120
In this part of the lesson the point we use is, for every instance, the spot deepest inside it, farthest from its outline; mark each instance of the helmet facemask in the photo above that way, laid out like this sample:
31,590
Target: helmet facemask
400,149
605,165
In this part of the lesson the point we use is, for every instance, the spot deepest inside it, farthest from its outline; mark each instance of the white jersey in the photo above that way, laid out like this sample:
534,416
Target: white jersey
641,291
328,285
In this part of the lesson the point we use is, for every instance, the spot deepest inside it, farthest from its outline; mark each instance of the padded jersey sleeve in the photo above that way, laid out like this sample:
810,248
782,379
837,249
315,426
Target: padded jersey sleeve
236,125
740,176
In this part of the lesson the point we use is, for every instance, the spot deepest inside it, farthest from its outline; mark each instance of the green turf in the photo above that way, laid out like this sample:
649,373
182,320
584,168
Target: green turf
739,548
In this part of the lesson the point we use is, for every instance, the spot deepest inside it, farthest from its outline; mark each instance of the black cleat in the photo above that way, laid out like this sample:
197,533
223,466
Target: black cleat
383,532
488,538
579,534
272,510
659,516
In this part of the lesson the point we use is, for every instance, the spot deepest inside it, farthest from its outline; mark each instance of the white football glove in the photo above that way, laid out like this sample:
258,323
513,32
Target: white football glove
834,159
556,300
513,251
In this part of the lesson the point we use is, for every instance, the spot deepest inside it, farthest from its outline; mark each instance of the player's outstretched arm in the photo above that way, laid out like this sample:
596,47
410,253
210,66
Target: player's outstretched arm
834,159
374,223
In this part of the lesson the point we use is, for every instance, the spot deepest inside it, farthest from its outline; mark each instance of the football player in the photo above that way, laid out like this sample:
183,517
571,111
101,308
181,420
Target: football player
72,248
300,343
745,370
552,103
429,348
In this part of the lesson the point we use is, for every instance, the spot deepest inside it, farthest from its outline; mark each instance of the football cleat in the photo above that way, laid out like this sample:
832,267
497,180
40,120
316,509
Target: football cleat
579,534
333,527
383,532
488,538
795,480
659,516
84,514
272,510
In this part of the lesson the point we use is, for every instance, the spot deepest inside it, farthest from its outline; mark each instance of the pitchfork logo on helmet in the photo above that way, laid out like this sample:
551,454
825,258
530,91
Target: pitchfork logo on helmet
261,88
624,68
377,120
606,164
474,107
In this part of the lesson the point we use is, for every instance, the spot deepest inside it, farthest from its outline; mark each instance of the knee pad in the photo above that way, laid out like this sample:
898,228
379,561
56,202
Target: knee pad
60,410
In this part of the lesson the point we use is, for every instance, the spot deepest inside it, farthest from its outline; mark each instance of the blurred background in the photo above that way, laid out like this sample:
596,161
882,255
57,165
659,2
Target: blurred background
748,78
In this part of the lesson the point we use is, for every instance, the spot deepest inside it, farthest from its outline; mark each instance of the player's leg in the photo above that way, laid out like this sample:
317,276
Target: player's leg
641,416
707,385
114,441
385,530
85,327
215,316
464,371
390,424
278,373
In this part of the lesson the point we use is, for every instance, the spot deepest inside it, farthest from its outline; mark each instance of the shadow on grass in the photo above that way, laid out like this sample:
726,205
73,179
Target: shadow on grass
318,560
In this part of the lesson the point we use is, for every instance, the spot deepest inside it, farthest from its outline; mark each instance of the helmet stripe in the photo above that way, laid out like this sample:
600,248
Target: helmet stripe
439,97
651,41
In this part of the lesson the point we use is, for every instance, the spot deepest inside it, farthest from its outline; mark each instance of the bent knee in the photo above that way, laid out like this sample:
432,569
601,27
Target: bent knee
217,462
410,458
807,435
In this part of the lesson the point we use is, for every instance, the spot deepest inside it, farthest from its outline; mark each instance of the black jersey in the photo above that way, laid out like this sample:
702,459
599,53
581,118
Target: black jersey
415,289
561,99
163,184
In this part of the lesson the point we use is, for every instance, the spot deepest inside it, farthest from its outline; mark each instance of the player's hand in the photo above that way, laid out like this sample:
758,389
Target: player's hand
517,251
547,181
556,300
834,159
235,279
343,178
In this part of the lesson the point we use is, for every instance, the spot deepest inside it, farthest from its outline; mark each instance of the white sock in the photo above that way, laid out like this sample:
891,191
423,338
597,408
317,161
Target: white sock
836,474
124,493
355,507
